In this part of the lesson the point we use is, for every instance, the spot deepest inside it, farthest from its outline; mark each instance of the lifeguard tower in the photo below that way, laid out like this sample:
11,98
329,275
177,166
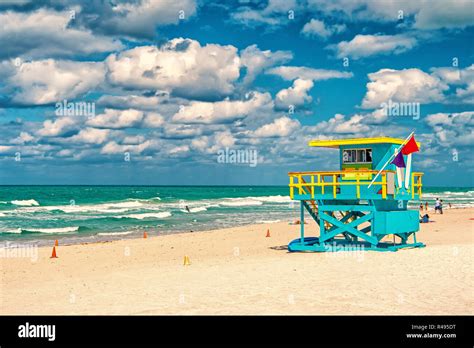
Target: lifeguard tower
350,209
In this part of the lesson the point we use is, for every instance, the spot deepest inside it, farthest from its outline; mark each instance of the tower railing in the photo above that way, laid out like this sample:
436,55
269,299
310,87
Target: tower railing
330,182
416,183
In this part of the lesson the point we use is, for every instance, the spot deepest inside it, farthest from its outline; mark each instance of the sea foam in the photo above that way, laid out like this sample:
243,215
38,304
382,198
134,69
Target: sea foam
240,202
114,233
26,202
45,230
142,216
194,210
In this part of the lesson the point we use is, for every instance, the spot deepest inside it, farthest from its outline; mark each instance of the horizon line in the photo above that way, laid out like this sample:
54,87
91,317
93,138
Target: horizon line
180,185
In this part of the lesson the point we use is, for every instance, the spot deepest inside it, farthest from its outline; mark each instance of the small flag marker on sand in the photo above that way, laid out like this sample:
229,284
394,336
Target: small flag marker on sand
56,243
268,233
186,261
53,255
145,235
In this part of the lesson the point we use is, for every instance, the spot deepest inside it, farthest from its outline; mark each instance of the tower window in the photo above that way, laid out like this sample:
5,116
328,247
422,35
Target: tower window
357,156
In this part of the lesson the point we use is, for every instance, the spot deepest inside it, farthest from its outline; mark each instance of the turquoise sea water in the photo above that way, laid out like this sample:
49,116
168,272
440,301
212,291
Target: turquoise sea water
90,213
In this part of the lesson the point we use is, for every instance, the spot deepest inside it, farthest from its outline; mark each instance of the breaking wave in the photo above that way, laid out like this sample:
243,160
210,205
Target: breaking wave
142,216
114,233
25,202
45,230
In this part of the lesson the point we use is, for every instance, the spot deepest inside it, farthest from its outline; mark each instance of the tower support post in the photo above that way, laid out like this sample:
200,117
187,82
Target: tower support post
302,221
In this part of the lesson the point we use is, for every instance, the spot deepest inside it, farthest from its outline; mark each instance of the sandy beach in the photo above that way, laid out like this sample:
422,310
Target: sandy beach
240,271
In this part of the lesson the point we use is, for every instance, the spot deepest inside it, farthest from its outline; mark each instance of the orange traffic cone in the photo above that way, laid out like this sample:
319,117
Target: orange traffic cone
145,235
186,261
53,255
268,233
56,243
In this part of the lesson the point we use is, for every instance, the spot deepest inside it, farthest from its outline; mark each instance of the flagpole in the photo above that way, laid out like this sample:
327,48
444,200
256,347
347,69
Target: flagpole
386,163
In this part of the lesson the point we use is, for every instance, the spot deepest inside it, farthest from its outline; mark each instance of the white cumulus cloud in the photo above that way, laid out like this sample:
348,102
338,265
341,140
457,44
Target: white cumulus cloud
46,33
455,129
317,28
281,127
181,66
49,81
296,95
91,136
130,118
407,85
140,18
113,148
370,45
116,119
222,111
427,14
301,72
256,60
340,124
57,127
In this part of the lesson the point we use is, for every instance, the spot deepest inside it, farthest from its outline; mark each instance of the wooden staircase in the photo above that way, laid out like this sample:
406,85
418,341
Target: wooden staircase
312,209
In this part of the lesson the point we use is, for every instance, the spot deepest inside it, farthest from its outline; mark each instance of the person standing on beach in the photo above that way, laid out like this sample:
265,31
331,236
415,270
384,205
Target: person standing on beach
426,206
437,204
421,206
441,207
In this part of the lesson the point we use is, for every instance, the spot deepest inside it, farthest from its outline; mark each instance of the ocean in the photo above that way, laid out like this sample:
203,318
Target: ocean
77,214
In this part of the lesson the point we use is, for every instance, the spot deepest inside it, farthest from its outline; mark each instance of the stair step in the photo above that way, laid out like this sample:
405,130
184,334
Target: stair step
312,210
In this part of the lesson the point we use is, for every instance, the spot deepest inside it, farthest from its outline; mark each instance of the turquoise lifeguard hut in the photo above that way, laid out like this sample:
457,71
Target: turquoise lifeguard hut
364,203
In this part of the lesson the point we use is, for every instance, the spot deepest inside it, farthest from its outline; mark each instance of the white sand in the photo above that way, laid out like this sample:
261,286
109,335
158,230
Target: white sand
239,271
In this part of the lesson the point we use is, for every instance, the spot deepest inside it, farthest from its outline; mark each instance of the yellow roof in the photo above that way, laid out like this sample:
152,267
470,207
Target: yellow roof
336,143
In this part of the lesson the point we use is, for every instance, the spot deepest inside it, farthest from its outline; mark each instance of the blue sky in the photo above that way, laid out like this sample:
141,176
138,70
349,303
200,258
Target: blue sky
175,82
